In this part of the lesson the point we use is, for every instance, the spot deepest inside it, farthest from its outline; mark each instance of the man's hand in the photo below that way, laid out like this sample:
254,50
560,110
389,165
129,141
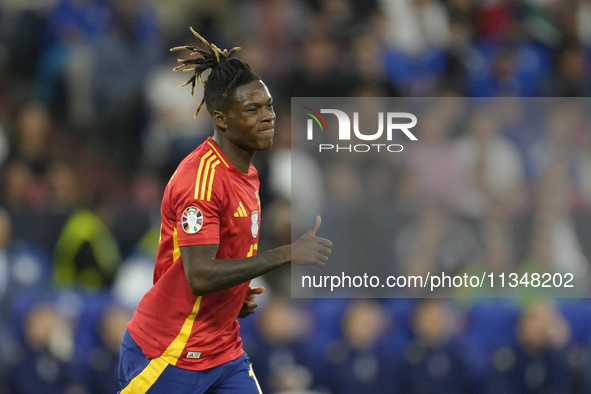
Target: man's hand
310,249
250,301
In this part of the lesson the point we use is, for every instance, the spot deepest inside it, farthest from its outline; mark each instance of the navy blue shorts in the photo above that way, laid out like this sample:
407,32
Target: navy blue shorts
138,375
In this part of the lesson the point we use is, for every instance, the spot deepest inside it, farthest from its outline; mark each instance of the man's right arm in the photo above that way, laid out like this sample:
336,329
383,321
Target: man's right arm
206,274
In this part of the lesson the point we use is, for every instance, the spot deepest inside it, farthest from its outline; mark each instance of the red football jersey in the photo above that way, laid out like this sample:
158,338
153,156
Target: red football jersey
207,201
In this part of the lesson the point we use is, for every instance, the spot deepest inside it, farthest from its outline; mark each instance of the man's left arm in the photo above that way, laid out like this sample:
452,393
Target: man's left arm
250,301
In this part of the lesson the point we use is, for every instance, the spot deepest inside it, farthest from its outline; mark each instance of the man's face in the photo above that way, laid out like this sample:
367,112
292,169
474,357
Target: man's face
250,117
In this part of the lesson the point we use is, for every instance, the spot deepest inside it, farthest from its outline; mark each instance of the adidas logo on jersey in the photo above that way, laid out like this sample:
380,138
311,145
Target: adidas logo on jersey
240,212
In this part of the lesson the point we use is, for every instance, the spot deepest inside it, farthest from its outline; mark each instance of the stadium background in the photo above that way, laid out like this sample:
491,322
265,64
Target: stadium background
92,124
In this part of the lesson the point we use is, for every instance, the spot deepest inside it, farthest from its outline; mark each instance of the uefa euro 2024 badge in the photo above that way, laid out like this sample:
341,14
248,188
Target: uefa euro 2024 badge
254,223
192,220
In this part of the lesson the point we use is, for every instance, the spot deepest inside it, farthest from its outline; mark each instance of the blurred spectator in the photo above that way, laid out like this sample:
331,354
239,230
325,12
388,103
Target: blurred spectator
358,362
416,26
563,143
86,256
495,18
461,56
497,258
104,358
434,160
571,77
18,186
83,18
306,193
24,266
122,59
135,275
557,199
131,221
318,74
512,70
33,138
134,278
71,25
341,18
489,326
493,166
370,76
173,132
30,158
583,17
278,351
41,362
416,33
536,362
435,242
433,358
522,127
21,198
555,241
345,191
67,188
23,23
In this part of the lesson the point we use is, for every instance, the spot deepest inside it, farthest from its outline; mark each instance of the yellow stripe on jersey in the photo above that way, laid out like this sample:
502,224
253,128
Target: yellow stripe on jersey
214,165
175,349
218,153
145,379
203,158
173,174
176,251
205,175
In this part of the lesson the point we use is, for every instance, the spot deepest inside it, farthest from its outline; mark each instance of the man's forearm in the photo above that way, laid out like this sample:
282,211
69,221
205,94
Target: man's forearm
210,275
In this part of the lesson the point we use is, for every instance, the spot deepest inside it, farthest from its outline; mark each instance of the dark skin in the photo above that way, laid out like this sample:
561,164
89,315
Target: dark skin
244,126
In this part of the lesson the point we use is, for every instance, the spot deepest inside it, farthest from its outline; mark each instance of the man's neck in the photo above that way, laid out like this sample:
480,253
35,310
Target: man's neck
240,158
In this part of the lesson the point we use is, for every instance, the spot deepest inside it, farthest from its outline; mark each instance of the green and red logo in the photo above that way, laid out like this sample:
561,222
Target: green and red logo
315,117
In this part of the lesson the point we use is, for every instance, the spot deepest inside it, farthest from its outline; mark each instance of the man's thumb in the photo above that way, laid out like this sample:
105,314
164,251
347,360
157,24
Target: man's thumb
256,290
315,227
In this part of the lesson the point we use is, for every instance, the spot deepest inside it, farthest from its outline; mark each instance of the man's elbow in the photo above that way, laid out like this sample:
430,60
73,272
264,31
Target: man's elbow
199,287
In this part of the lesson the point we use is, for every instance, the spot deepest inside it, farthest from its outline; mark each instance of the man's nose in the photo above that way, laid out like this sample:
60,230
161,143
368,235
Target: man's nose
268,114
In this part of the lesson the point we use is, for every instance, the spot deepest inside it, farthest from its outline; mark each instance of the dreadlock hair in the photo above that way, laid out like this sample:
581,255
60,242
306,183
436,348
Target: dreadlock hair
225,72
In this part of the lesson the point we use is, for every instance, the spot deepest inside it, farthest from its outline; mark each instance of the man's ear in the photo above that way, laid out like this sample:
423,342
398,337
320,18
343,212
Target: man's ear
219,118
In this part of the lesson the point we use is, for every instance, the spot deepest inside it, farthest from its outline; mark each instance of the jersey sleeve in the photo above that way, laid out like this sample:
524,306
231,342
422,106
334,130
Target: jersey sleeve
198,208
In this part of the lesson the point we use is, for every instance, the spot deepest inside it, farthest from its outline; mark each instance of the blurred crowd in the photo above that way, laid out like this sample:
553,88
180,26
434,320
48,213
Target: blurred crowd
92,125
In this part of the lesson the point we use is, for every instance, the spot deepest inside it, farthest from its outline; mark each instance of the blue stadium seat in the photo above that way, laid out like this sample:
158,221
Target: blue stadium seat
492,325
327,314
399,310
